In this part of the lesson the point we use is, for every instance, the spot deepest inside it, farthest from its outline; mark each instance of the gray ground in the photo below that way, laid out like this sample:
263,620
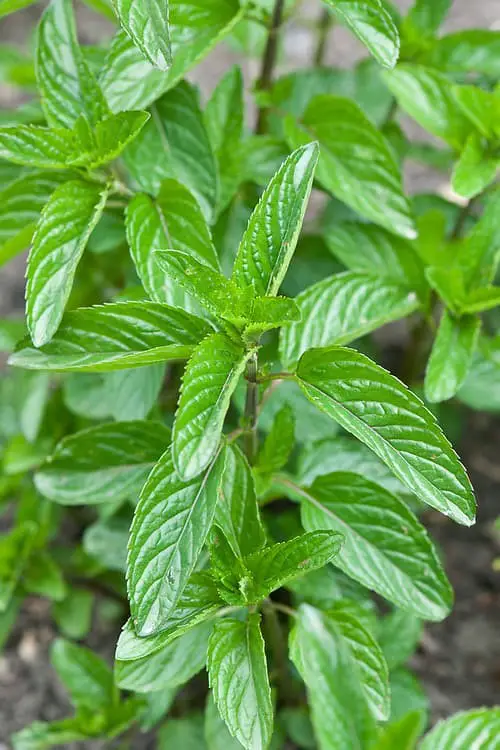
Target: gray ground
460,660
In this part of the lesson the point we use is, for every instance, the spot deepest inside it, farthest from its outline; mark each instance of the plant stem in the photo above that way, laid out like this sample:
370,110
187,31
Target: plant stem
269,61
462,217
325,23
277,645
251,409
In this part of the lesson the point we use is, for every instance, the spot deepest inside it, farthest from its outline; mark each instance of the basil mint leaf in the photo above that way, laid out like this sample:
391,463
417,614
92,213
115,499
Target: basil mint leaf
355,158
451,356
399,634
32,145
106,463
480,725
371,553
350,388
208,383
170,525
468,51
237,671
476,168
116,336
217,734
86,677
15,549
372,23
237,512
341,309
269,242
279,442
66,84
147,25
129,81
65,225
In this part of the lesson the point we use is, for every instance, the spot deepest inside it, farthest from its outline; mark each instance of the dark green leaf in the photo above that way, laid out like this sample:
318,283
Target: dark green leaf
60,238
104,463
15,549
341,309
399,634
407,694
356,164
479,254
86,677
106,541
451,356
73,615
386,549
116,337
480,727
373,25
279,443
44,577
208,383
381,412
147,25
170,525
238,677
184,733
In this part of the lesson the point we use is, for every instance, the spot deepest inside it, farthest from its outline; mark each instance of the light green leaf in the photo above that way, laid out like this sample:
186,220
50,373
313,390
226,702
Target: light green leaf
170,666
196,26
478,728
65,82
372,23
426,16
468,51
340,715
372,250
481,389
170,525
238,677
217,735
11,6
211,375
386,548
35,146
86,677
20,205
479,300
481,108
403,733
34,390
381,412
451,356
43,735
109,138
279,442
172,221
356,164
134,392
428,97
269,242
399,634
60,238
479,254
106,542
407,694
73,615
345,454
449,283
106,463
237,512
44,577
341,309
116,336
476,168
184,733
15,549
175,143
146,23
198,602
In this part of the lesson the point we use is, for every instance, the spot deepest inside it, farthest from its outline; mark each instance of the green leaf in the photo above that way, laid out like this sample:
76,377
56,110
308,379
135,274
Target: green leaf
106,541
211,375
372,250
15,549
184,733
479,254
60,238
399,634
172,221
479,300
73,615
147,25
340,714
217,735
381,412
109,138
426,16
345,454
35,146
407,694
237,512
372,23
479,727
468,51
451,356
481,108
134,392
238,677
428,97
65,82
386,549
171,523
356,165
116,336
279,442
170,666
11,6
103,463
20,205
196,26
43,735
341,309
403,733
198,602
269,242
475,170
175,143
86,677
44,577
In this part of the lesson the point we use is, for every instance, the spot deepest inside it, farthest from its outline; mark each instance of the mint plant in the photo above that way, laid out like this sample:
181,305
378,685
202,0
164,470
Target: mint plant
197,368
